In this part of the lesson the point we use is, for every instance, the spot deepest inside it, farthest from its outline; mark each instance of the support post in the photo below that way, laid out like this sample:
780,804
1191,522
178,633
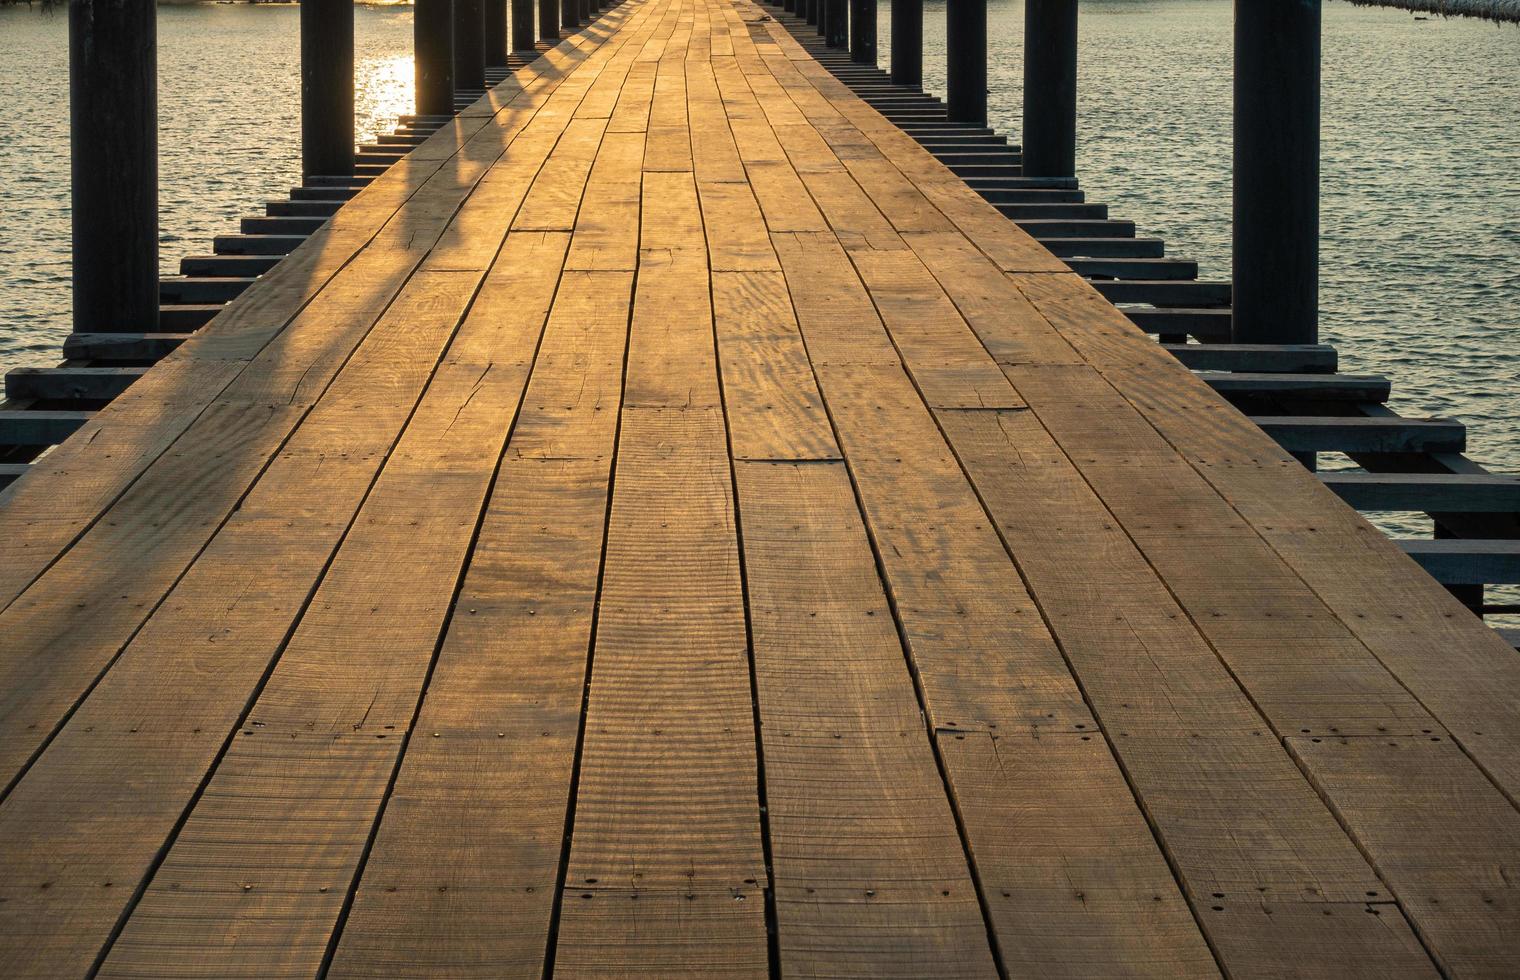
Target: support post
495,33
907,42
585,11
810,11
570,14
1276,226
1050,88
113,126
863,31
966,61
327,87
433,49
790,6
469,45
835,25
548,20
524,31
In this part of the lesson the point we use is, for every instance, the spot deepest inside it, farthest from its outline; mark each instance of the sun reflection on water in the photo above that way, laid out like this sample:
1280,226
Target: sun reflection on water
383,92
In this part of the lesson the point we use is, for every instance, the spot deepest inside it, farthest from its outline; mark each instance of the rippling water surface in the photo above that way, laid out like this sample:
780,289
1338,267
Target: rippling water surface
1421,212
229,139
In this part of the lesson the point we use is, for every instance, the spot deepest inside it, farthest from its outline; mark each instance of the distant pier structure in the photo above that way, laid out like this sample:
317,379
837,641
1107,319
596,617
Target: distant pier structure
690,503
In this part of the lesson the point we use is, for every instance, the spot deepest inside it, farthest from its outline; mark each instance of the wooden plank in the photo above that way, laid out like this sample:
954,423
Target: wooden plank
774,409
1461,672
666,863
309,748
126,727
871,877
166,517
987,668
1484,493
1104,602
505,696
1254,609
607,234
1431,821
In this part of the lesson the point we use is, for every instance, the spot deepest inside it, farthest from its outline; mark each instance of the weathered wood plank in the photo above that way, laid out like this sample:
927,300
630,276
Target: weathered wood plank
871,877
505,696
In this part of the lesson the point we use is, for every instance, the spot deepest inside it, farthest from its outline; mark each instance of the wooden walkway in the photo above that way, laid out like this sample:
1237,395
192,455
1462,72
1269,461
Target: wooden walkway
669,525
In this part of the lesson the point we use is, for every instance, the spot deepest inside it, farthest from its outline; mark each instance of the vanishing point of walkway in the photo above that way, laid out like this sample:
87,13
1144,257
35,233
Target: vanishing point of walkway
669,525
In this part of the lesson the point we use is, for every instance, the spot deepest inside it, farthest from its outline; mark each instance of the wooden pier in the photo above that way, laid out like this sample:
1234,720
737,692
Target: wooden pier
669,524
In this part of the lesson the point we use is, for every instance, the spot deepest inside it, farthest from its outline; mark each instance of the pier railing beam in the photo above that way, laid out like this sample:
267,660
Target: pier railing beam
863,31
469,45
1276,226
327,87
433,45
113,122
524,31
548,20
496,33
835,23
907,42
1050,88
966,61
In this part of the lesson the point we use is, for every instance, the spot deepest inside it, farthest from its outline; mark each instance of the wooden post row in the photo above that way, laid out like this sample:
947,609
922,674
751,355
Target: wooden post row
495,36
113,128
548,20
966,61
907,42
433,45
1050,88
863,31
469,45
835,25
524,31
1276,219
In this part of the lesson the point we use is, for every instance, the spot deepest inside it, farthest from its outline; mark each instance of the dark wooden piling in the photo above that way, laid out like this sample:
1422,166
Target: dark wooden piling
570,14
548,20
966,61
908,42
1276,227
113,121
495,15
433,46
524,31
327,87
790,6
1050,88
469,45
586,11
810,13
863,31
836,23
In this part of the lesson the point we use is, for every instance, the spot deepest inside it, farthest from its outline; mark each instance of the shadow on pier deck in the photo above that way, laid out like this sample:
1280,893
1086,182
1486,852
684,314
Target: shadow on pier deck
667,523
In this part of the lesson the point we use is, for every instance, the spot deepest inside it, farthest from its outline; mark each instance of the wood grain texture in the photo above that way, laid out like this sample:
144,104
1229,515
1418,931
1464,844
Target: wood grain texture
669,525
